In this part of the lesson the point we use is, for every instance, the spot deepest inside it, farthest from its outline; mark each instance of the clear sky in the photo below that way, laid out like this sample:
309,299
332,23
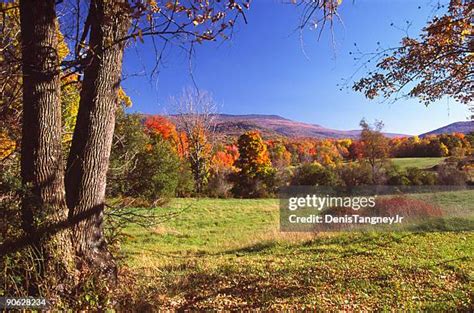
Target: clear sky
263,68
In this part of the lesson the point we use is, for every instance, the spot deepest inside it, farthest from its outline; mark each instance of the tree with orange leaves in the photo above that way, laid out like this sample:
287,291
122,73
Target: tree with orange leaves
222,166
224,160
255,171
158,124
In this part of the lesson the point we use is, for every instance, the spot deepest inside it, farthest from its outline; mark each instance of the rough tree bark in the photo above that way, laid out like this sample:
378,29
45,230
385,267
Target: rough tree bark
92,140
42,166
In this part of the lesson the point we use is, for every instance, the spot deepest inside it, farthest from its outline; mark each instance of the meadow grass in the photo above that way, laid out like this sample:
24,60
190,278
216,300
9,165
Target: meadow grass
230,254
421,163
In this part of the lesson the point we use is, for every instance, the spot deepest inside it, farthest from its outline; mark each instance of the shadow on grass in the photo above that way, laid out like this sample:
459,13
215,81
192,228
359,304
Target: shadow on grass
260,247
253,249
255,284
250,292
327,248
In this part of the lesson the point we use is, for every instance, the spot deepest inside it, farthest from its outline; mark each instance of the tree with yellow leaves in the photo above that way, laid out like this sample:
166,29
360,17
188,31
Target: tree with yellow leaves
437,64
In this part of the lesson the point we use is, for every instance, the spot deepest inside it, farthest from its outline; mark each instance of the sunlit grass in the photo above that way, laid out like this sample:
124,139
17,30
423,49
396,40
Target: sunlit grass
231,254
421,163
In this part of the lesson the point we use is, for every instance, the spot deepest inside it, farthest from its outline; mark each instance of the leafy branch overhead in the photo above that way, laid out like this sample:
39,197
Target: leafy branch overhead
437,64
201,20
179,22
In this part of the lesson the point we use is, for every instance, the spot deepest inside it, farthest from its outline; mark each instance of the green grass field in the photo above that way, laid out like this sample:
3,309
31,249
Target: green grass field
229,254
421,163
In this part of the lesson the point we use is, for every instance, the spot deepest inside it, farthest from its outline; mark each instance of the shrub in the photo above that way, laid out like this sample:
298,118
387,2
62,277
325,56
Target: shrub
398,179
419,177
412,176
313,174
448,174
355,174
395,176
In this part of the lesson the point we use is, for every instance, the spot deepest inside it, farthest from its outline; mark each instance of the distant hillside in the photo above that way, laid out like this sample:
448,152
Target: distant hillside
272,126
458,127
276,126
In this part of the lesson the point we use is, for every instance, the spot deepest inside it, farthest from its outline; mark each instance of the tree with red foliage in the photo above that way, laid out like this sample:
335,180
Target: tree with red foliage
356,150
161,125
164,127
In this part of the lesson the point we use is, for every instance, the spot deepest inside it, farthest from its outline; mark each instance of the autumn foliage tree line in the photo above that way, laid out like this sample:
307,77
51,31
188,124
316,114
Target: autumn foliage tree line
161,160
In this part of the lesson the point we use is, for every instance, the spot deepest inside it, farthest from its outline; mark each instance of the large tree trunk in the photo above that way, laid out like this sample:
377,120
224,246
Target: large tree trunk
42,168
92,140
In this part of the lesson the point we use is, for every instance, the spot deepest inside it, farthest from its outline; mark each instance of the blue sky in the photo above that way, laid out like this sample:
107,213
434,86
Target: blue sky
264,70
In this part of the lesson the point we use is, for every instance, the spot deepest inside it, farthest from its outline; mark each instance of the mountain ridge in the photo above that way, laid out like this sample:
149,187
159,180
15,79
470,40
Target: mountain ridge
456,127
277,126
272,126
